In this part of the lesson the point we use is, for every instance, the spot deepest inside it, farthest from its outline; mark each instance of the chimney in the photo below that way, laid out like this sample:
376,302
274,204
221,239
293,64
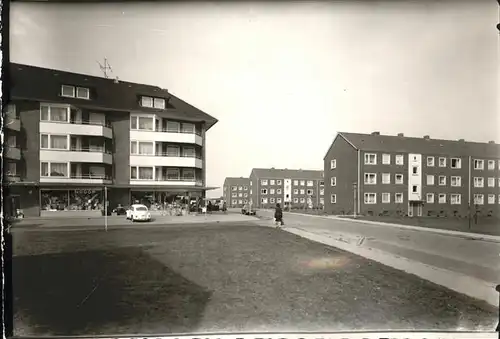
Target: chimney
426,137
491,142
461,140
401,135
376,133
116,80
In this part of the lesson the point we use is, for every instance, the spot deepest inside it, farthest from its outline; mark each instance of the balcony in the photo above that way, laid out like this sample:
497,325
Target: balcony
12,122
167,136
13,153
90,155
78,127
167,160
12,177
168,182
78,179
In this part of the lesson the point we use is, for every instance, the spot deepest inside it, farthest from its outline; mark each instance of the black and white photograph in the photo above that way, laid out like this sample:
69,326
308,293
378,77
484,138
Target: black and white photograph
271,169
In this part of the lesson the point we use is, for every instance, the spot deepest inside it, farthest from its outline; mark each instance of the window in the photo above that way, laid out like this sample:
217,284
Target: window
146,102
333,198
245,195
321,183
188,152
302,200
442,180
240,195
333,181
234,202
430,161
478,199
498,182
398,198
271,191
456,181
370,198
442,162
11,168
370,178
302,191
322,201
11,141
234,195
278,191
442,198
386,198
415,170
414,188
54,169
491,182
240,201
455,199
386,159
278,182
141,123
263,191
272,182
310,192
133,172
491,199
278,200
251,191
310,183
240,188
399,178
478,182
234,188
399,160
82,93
386,178
68,91
302,183
478,164
430,180
264,200
54,113
173,174
498,199
491,165
245,188
59,142
263,182
333,164
271,200
173,127
296,182
147,148
322,191
145,173
456,163
159,103
370,159
429,198
295,191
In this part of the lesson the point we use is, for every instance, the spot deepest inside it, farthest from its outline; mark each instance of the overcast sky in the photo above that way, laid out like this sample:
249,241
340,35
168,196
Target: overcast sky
284,78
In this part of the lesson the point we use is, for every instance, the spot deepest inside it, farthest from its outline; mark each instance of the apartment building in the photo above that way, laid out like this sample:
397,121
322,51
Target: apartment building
236,191
290,188
70,135
373,174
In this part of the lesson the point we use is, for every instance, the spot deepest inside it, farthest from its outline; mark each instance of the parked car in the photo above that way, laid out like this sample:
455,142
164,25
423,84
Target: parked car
248,210
138,212
120,210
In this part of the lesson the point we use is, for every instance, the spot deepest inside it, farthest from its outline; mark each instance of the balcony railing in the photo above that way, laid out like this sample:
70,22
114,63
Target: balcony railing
90,149
173,155
86,122
175,179
165,130
90,176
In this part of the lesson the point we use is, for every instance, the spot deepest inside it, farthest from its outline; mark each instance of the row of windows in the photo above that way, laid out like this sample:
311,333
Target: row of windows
455,181
62,170
309,183
456,163
239,188
148,148
235,202
295,191
148,173
149,123
295,200
455,198
235,195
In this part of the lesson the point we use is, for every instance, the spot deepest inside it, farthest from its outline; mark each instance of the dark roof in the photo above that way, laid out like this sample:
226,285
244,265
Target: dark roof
43,84
237,181
391,143
287,173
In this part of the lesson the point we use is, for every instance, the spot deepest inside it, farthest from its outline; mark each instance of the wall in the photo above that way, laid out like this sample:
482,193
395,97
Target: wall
120,124
346,174
29,113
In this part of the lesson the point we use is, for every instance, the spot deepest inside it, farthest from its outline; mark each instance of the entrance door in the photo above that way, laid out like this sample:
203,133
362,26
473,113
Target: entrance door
419,210
410,209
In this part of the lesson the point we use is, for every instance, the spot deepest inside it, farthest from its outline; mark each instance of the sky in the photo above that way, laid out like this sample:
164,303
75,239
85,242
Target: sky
283,78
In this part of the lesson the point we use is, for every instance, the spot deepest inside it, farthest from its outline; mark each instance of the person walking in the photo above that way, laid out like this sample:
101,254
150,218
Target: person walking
278,216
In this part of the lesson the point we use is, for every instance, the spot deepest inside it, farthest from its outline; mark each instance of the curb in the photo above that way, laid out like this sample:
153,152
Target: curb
458,282
476,236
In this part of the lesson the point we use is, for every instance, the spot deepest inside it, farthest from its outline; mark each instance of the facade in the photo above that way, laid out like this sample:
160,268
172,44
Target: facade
70,135
236,191
373,174
290,188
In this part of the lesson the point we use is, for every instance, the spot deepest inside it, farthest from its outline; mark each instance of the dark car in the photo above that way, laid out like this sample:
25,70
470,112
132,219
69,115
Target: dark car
120,210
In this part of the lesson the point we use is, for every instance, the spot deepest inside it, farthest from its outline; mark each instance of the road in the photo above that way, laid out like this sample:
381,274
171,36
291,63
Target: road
479,259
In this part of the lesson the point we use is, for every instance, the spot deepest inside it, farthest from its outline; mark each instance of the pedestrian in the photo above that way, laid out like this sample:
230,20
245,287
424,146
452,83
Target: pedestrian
278,216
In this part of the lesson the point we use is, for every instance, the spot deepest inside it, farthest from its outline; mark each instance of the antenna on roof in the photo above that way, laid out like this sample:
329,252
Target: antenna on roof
105,68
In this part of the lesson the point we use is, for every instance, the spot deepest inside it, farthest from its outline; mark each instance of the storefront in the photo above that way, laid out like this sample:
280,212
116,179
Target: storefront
78,199
156,200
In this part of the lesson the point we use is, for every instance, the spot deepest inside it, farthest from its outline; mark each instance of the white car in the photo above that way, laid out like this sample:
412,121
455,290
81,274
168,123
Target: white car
138,212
